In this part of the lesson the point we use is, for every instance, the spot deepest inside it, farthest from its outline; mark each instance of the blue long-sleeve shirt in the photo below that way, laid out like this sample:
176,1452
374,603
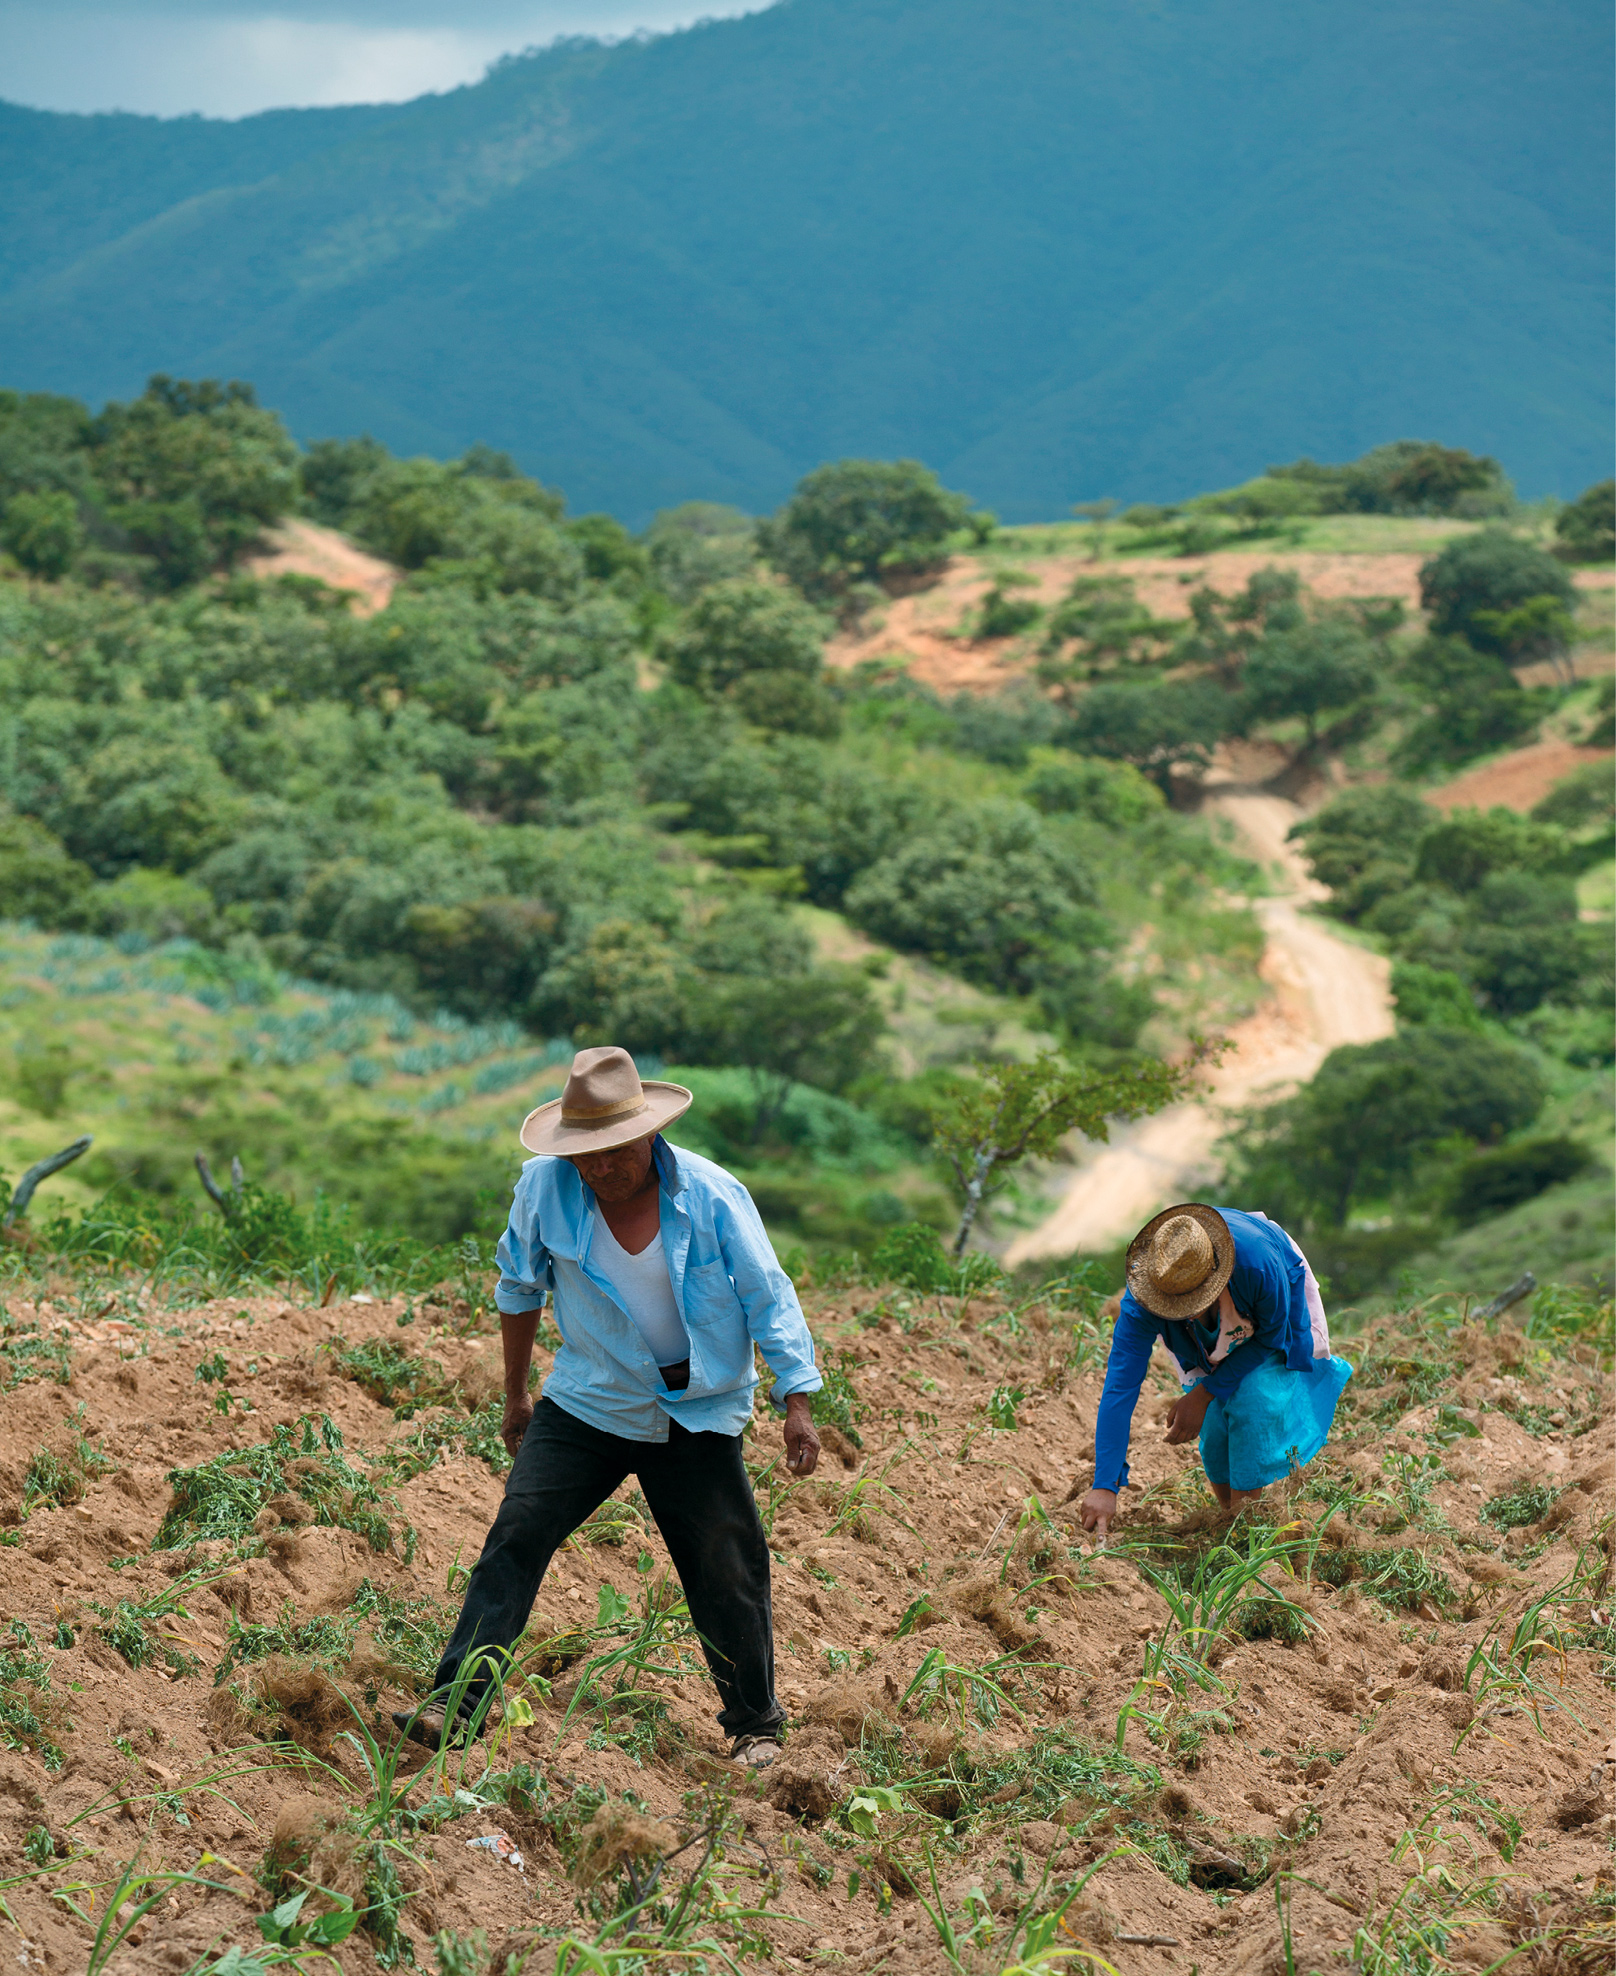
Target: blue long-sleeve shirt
730,1290
1269,1288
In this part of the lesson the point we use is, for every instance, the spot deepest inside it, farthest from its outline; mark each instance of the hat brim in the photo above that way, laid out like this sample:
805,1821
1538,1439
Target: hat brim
1189,1303
544,1130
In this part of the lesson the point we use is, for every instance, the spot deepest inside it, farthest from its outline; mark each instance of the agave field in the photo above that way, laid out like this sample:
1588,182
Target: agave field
246,1463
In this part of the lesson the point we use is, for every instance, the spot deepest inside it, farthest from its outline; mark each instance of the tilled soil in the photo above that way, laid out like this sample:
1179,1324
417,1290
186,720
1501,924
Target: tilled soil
1314,1783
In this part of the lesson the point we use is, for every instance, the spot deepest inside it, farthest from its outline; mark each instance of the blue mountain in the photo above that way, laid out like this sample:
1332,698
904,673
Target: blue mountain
1057,249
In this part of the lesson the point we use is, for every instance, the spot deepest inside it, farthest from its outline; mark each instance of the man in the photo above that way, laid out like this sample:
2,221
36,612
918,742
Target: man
1238,1310
663,1280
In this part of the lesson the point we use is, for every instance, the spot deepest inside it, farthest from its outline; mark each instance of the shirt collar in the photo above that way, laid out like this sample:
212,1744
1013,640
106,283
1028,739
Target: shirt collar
667,1166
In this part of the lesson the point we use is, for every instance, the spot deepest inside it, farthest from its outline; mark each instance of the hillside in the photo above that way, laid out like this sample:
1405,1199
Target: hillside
1058,252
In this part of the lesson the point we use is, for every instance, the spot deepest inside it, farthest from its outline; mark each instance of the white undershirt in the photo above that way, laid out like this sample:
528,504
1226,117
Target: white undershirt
643,1289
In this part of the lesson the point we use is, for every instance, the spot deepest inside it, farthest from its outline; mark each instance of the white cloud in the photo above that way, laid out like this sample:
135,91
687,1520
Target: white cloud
173,62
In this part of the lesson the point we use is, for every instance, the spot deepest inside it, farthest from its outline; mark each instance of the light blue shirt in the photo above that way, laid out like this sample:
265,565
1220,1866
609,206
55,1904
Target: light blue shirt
730,1289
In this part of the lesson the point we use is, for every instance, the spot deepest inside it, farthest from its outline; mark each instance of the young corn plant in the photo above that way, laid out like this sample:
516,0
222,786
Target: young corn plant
855,1501
1028,1937
1502,1677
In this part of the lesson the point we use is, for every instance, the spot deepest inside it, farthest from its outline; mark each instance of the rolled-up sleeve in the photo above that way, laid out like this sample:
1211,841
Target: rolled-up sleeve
774,1318
524,1261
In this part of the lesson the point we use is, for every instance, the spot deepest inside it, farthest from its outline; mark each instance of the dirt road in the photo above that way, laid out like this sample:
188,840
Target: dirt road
1325,992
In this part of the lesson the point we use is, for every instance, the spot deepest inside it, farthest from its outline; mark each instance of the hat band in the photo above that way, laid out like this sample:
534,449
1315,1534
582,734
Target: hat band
601,1114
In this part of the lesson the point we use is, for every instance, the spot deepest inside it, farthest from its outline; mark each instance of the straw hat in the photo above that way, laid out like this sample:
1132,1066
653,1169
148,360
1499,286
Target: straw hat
603,1104
1180,1263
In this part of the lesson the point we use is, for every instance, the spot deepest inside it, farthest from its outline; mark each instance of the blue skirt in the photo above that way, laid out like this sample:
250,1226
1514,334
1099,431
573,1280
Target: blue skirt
1273,1423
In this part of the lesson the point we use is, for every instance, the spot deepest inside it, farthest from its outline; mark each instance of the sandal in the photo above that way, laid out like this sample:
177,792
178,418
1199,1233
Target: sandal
756,1752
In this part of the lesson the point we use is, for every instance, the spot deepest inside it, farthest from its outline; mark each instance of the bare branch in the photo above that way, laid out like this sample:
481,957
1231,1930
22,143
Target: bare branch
41,1170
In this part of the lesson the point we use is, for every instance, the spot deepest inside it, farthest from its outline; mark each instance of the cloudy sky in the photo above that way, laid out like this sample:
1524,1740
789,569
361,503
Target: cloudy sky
227,58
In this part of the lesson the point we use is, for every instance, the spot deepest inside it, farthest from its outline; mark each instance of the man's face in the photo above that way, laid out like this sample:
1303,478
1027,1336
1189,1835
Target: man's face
619,1173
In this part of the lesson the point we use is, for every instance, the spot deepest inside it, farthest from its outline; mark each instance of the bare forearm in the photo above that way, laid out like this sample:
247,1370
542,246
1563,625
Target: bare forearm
517,1331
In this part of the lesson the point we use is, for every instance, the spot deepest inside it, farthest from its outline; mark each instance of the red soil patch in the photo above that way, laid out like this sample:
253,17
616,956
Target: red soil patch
1517,781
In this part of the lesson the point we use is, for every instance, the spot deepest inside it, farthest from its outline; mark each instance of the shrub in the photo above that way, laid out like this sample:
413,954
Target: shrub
42,531
1585,530
1491,1182
861,520
1374,1110
1491,571
38,879
982,891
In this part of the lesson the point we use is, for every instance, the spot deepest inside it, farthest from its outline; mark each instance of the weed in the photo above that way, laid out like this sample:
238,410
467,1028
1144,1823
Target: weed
1407,1580
1002,1404
391,1374
30,1716
216,1367
837,1401
27,1353
478,1437
127,1626
327,1639
411,1632
57,1478
225,1496
1529,1502
655,1642
613,1524
460,1955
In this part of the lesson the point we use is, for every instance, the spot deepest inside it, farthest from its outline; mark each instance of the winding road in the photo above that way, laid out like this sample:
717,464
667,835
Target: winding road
1325,992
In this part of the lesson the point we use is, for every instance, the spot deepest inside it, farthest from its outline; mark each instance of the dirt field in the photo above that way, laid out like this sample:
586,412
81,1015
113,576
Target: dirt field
303,548
926,629
1518,781
1397,1752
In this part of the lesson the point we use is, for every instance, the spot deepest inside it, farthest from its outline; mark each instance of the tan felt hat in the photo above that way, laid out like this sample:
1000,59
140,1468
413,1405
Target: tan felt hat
603,1104
1180,1263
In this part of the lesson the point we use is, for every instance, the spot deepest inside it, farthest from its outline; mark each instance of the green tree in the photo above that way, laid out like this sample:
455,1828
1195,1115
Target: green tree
759,646
1585,530
983,1129
194,473
38,879
1375,1110
1541,629
697,544
1491,571
333,473
42,531
1461,851
857,521
1473,704
1363,843
819,1026
1317,668
983,890
1159,727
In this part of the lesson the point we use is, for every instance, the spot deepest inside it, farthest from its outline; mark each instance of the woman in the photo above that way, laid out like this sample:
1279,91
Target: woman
1232,1298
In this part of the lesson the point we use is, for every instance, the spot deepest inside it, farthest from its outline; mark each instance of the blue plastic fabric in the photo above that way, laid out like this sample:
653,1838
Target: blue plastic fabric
1274,1422
730,1289
1268,1285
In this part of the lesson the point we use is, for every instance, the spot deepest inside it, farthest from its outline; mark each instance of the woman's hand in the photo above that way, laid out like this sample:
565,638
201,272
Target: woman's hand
1098,1508
1185,1415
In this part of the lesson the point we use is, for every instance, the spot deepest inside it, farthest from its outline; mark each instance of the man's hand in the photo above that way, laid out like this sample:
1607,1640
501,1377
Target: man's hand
1097,1509
518,1412
1185,1415
802,1443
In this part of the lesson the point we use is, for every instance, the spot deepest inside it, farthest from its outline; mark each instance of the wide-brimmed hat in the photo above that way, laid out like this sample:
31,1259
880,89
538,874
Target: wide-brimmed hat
602,1105
1180,1263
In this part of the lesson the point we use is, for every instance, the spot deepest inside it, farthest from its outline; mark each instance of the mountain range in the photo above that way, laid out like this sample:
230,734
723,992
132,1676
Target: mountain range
1058,249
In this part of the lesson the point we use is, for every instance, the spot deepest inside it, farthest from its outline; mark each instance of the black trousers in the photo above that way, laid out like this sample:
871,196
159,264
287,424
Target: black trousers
697,1489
